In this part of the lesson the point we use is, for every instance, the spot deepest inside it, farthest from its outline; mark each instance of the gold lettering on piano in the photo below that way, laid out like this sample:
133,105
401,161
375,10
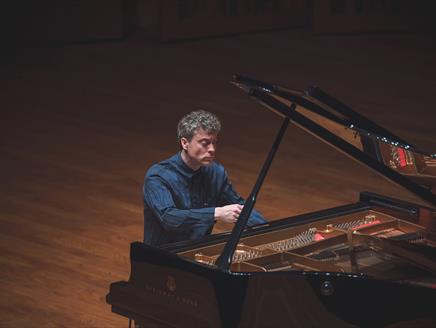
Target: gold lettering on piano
171,295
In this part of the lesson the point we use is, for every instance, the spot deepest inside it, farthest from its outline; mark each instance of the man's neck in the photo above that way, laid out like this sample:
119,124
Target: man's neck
188,161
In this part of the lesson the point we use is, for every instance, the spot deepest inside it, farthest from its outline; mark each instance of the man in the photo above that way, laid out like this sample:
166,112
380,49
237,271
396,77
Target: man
186,194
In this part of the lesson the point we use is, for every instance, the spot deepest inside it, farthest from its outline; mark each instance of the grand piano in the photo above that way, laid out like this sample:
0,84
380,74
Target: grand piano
367,264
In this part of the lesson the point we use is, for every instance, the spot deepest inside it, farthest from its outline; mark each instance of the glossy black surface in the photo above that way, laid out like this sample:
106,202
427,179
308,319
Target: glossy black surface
316,298
329,109
167,289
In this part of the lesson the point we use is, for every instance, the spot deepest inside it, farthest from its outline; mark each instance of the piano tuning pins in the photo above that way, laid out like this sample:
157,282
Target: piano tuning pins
244,254
299,240
350,225
369,218
201,258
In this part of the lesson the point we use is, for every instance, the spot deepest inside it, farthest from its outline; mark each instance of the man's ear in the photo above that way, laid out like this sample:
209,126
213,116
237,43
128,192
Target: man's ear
184,143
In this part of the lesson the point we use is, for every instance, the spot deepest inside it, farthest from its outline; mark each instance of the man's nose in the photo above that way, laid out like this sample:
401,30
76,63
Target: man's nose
211,148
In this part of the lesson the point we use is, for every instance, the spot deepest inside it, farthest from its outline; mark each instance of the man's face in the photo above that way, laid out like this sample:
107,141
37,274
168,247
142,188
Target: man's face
201,148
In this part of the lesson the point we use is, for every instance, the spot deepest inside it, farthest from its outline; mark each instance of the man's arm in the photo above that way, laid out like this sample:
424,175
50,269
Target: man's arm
158,198
230,196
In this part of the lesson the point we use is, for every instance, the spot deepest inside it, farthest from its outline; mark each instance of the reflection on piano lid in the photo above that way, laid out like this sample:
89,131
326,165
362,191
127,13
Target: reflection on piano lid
363,140
319,269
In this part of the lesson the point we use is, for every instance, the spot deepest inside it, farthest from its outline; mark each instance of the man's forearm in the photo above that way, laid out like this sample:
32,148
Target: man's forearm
176,219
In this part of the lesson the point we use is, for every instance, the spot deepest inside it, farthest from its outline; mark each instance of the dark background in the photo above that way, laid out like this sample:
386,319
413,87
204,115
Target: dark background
91,92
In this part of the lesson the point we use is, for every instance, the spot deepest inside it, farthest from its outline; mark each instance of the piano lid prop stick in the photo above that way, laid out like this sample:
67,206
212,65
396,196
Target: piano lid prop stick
225,259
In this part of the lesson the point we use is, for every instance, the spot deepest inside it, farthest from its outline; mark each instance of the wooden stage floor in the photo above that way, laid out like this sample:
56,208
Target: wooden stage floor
81,124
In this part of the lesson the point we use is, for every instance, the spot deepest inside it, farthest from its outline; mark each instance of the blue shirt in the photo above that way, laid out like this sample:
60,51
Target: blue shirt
179,203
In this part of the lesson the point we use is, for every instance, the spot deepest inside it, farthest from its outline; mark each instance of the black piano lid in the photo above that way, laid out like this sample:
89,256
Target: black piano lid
316,110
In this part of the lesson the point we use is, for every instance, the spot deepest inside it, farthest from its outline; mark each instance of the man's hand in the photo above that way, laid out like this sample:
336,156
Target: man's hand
229,213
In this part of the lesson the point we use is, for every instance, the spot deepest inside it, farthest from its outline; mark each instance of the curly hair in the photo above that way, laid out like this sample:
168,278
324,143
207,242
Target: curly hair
192,122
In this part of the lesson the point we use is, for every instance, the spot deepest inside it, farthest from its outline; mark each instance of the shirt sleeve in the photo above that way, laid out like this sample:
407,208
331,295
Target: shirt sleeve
157,196
230,196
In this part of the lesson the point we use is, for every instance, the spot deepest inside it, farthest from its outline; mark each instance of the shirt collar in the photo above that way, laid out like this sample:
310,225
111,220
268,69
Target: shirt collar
181,166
